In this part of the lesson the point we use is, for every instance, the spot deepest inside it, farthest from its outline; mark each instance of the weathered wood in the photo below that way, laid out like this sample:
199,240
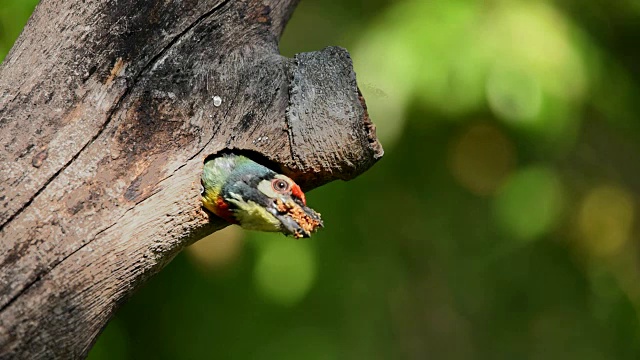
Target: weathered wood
106,116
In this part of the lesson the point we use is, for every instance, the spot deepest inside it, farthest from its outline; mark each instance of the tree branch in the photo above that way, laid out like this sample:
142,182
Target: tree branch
106,116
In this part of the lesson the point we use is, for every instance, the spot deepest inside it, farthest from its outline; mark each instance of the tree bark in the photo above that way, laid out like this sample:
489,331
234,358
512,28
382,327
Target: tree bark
106,114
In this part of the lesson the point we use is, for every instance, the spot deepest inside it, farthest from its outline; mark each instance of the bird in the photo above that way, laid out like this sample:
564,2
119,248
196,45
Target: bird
244,192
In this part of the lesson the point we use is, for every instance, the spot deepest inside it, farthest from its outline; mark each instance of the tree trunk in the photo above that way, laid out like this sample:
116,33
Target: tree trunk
108,109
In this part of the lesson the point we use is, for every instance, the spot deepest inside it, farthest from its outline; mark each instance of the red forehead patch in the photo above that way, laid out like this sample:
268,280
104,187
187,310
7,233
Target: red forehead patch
297,192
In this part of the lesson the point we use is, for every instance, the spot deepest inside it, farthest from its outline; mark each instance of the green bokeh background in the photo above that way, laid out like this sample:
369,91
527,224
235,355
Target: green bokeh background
502,222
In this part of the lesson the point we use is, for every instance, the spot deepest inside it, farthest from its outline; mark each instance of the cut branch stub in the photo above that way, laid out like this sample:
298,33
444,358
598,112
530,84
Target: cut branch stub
326,133
330,133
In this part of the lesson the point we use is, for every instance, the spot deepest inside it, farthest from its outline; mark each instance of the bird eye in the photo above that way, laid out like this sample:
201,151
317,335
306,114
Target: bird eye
280,185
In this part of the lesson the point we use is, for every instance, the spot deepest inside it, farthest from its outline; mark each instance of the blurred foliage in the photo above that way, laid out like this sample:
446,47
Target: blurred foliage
502,222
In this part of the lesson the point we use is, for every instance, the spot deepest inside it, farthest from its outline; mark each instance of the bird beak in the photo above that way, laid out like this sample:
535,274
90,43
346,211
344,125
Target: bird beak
296,218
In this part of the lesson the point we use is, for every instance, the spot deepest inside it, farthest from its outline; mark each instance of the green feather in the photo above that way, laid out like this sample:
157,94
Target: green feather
218,172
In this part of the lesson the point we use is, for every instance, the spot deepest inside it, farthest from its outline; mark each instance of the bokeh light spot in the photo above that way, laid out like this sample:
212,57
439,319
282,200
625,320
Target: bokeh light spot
530,203
481,158
534,36
217,250
606,219
514,95
285,270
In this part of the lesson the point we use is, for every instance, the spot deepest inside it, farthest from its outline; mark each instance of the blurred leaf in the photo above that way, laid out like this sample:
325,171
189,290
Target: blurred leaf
530,203
285,270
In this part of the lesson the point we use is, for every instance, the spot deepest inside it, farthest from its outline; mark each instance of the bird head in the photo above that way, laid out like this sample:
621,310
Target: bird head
246,193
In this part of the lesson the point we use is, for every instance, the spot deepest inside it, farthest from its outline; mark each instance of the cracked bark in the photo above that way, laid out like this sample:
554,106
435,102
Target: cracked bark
106,116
